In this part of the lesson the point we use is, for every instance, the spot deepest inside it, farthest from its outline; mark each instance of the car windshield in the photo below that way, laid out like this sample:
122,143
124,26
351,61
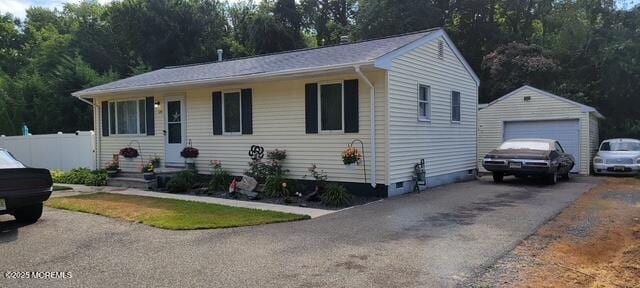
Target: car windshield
620,146
532,145
7,161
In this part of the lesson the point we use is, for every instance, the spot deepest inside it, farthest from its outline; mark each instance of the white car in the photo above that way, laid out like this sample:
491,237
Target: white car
618,156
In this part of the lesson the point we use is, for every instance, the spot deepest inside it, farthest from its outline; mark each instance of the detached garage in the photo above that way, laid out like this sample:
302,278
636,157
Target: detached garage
532,113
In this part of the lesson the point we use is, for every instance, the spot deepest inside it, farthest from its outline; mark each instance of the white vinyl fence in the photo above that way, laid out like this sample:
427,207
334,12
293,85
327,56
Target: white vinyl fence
53,151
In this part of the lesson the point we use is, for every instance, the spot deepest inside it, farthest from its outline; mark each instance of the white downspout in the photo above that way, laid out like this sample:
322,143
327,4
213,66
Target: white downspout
372,122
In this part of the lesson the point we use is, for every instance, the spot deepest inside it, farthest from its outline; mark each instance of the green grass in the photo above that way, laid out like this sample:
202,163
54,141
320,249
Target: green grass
169,213
61,188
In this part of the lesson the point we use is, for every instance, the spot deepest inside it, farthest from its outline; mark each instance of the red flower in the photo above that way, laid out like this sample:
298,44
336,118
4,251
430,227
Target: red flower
129,152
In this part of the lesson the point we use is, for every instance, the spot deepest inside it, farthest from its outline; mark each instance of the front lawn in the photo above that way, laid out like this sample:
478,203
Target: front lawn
169,213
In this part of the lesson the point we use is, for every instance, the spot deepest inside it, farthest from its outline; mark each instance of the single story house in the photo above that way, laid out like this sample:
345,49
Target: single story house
407,98
528,112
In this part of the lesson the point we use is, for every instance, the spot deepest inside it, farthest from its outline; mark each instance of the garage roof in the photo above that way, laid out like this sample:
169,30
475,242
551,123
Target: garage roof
583,108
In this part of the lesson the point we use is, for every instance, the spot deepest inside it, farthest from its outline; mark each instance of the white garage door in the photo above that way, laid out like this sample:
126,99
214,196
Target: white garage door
567,132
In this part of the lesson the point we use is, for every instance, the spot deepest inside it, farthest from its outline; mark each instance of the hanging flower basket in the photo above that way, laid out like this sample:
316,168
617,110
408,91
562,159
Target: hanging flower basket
351,156
129,152
351,167
189,152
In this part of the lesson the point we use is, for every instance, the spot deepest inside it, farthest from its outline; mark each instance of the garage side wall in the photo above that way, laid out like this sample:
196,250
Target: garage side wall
447,147
594,136
540,107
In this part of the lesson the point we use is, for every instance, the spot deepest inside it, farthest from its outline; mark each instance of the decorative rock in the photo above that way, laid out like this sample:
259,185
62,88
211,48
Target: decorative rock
247,184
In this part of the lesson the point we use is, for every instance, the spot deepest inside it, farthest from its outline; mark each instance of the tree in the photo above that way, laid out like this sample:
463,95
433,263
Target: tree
169,32
378,18
515,64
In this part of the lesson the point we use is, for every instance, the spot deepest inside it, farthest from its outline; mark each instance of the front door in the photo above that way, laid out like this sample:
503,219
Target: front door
175,130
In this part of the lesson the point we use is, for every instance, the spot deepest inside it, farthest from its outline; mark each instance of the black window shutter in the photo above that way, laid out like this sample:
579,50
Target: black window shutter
105,118
311,107
247,112
351,119
217,112
151,125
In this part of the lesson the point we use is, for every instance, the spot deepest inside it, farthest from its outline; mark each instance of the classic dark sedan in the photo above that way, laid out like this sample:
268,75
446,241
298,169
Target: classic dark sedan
529,157
22,189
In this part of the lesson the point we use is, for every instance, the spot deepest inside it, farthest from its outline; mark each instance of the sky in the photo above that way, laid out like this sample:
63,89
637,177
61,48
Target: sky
18,7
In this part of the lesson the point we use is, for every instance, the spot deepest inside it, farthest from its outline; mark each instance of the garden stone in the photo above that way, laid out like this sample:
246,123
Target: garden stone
247,184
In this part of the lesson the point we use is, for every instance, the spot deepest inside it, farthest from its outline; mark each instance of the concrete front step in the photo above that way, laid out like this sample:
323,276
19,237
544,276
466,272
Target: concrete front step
129,175
132,182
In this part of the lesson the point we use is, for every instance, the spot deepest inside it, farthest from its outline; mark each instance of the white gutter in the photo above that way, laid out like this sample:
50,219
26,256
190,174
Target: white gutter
290,72
86,101
372,122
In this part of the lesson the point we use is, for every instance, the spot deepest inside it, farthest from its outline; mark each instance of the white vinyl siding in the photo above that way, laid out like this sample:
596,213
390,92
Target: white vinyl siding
540,107
278,122
446,147
109,147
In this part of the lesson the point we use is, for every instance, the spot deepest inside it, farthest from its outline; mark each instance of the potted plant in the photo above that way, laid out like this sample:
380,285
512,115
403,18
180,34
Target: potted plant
155,161
351,157
129,152
189,154
112,167
148,171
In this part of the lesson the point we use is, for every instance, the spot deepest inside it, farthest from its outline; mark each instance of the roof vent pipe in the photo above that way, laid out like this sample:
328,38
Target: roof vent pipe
219,55
344,39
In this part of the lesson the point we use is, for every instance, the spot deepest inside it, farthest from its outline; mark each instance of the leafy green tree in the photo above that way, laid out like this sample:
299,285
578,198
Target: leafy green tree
513,65
11,41
388,17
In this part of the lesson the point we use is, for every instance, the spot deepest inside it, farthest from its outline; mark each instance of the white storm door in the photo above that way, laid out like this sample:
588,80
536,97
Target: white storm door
175,130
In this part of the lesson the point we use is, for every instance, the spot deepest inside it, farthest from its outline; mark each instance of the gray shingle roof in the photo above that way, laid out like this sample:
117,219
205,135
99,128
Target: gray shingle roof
351,53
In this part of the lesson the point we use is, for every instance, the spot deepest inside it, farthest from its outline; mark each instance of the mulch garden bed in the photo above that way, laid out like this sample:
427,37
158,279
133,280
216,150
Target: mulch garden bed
295,201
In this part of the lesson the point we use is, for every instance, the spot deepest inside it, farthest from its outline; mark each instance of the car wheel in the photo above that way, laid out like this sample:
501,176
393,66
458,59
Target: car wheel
498,177
29,214
565,176
553,177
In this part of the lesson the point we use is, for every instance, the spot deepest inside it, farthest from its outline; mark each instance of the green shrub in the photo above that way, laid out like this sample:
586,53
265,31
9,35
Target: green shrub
182,182
82,176
57,176
336,195
273,185
259,170
220,179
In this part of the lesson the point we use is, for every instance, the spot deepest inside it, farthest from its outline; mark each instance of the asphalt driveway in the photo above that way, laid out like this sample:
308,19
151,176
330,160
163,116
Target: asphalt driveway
436,238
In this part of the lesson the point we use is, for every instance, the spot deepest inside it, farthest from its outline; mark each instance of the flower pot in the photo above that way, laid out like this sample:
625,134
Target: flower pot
149,175
352,166
112,173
